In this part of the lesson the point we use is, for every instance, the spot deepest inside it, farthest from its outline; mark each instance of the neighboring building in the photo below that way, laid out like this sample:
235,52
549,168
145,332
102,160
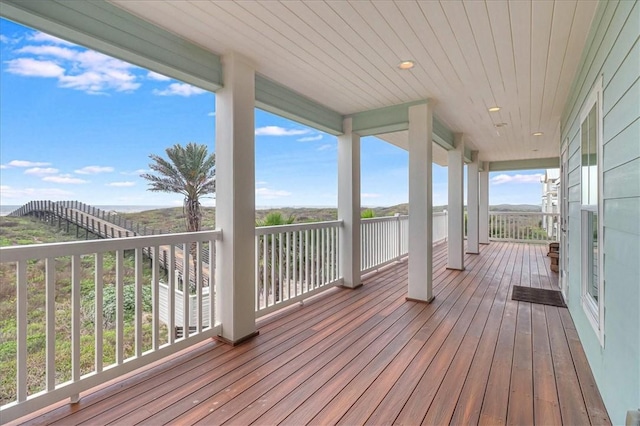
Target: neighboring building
550,186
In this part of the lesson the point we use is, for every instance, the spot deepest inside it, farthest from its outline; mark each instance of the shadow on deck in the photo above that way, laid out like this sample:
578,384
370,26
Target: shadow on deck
369,356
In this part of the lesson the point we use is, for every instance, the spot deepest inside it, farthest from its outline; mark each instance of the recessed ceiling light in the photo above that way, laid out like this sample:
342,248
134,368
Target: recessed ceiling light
500,125
534,150
537,134
406,65
494,109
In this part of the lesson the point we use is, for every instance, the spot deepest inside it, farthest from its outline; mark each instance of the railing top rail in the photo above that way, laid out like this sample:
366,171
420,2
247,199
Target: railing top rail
263,230
383,218
19,253
525,213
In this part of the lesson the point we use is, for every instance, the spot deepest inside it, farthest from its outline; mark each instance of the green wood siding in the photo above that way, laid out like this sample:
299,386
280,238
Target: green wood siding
612,51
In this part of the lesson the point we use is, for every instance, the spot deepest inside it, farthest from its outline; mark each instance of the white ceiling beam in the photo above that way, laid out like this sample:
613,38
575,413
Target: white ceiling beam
396,118
531,164
277,99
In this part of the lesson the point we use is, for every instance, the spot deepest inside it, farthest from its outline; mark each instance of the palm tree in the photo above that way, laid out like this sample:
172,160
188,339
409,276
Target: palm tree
189,171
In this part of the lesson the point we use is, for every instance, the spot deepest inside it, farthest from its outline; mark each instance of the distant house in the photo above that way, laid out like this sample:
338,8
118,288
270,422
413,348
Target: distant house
550,185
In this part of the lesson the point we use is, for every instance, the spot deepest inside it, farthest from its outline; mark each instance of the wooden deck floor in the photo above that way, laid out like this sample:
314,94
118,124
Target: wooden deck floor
369,356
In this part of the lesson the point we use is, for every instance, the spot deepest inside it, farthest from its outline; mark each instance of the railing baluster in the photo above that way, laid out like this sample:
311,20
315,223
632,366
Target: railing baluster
171,297
199,277
50,307
297,262
265,270
288,263
257,270
280,237
119,307
21,294
155,297
213,294
98,310
75,321
186,284
138,304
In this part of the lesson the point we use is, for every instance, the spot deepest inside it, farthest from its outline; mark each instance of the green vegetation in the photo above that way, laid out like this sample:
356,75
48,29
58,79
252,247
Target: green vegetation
367,214
18,231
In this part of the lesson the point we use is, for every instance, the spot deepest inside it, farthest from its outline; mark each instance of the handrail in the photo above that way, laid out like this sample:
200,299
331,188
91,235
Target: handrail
264,230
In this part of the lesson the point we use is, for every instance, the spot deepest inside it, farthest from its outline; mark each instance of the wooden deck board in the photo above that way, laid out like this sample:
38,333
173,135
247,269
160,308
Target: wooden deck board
369,356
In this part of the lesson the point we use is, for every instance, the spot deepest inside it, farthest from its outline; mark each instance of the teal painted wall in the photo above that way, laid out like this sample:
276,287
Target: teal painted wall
613,52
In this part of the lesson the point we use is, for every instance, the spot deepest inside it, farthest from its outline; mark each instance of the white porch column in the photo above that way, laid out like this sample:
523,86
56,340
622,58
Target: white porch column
455,239
349,204
472,205
235,199
483,216
420,202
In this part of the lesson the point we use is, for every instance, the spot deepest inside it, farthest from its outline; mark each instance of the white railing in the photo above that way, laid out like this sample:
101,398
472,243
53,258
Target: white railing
528,227
294,262
89,311
386,239
440,226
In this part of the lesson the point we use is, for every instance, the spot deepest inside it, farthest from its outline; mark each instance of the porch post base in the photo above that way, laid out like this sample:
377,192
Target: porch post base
473,252
454,269
351,288
411,299
240,340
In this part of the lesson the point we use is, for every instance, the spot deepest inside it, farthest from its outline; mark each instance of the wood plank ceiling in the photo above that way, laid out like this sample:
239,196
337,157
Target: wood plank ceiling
469,55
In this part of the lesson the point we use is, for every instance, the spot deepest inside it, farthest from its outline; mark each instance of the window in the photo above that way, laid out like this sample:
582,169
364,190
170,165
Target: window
591,217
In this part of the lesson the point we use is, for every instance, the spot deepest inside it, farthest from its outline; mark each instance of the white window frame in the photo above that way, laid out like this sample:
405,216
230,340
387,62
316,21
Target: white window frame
594,310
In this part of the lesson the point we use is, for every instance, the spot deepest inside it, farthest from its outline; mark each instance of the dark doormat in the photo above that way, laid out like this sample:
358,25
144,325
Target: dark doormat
538,295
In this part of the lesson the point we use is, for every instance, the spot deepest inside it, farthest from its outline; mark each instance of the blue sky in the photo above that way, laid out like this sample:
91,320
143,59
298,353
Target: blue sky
75,124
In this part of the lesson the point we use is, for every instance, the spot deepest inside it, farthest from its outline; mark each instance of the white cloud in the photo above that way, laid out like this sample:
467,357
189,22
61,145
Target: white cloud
29,67
269,194
179,89
279,131
3,166
157,77
66,179
46,38
121,184
310,138
136,172
4,38
325,147
41,171
261,182
92,170
48,193
78,69
504,178
211,114
47,50
369,195
23,163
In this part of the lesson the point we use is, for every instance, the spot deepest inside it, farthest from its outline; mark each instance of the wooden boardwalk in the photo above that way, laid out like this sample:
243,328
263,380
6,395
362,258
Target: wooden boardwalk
369,356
